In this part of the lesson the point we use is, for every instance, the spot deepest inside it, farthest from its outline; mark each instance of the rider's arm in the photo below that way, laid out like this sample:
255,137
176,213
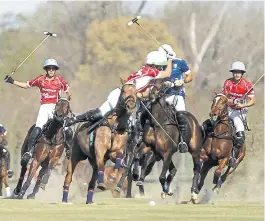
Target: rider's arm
251,101
69,95
21,84
65,87
188,76
167,72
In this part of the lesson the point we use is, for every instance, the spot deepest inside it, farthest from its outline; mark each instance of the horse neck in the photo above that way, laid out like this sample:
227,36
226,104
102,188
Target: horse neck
222,126
52,128
159,109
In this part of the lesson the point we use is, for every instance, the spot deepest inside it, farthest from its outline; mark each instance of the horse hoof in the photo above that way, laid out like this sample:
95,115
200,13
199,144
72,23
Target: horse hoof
139,183
42,186
101,186
216,190
91,202
111,179
118,189
170,193
163,195
31,196
128,196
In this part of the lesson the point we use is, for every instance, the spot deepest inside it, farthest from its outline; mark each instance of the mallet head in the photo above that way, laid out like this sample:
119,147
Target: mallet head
50,33
134,20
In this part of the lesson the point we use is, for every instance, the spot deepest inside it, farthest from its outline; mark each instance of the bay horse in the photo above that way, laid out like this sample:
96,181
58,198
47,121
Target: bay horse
4,161
102,141
219,143
48,150
164,128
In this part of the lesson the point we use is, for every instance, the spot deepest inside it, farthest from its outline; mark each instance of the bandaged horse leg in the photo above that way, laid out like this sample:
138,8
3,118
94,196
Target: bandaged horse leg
20,180
217,174
92,183
37,185
118,146
33,168
196,178
102,144
207,165
129,186
74,159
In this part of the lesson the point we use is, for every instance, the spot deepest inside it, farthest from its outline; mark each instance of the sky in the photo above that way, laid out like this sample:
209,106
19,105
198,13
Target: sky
30,6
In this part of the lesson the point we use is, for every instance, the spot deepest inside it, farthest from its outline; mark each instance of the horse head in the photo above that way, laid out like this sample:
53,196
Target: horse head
62,109
219,108
127,100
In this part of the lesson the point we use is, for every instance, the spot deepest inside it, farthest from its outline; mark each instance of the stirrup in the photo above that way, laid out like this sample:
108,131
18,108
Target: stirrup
26,157
183,147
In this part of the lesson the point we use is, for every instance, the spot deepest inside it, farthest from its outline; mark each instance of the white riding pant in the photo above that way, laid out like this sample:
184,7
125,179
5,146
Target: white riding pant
238,118
177,101
111,101
45,113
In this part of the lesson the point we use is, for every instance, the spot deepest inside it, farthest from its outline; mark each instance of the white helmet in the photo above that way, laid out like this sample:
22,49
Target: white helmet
238,66
156,58
51,62
168,48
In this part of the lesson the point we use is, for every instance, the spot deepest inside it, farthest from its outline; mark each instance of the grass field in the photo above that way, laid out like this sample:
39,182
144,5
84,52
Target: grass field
126,210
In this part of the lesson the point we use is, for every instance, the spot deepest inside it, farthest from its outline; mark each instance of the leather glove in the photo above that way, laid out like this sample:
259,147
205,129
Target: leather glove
9,79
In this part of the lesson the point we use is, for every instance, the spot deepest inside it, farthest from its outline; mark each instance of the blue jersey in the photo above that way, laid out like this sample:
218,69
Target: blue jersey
179,67
2,129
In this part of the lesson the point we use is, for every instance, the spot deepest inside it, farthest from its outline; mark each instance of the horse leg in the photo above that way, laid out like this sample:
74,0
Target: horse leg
207,165
102,144
20,180
92,183
129,186
4,180
196,177
37,185
171,175
162,177
1,185
217,174
73,161
148,163
33,168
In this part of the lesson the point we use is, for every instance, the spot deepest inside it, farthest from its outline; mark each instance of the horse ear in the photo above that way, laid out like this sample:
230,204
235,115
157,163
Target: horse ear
215,92
122,81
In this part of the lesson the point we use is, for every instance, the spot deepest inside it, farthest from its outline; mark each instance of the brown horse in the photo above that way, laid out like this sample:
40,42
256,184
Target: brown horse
163,136
3,167
106,142
219,142
48,150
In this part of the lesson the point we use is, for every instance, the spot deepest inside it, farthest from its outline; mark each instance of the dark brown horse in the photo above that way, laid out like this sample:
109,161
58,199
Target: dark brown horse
164,136
3,167
106,142
48,150
219,142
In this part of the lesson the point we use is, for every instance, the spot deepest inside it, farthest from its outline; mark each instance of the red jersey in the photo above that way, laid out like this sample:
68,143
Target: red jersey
237,90
49,89
143,77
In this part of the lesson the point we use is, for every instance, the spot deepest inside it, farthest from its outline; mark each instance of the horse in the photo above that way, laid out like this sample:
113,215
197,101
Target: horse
218,145
48,150
102,141
4,161
164,137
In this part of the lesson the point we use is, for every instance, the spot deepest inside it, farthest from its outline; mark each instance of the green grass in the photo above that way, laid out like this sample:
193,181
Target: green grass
126,210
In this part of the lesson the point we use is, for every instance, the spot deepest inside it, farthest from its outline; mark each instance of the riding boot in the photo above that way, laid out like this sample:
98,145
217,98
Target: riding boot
9,171
139,128
239,141
31,144
92,116
182,146
68,142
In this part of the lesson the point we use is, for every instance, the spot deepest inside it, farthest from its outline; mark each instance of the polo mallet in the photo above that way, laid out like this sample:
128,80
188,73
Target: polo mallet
254,85
135,20
48,34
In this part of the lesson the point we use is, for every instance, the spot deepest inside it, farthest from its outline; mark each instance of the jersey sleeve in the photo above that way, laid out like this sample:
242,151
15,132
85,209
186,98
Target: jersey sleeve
225,88
35,82
250,90
64,86
184,66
